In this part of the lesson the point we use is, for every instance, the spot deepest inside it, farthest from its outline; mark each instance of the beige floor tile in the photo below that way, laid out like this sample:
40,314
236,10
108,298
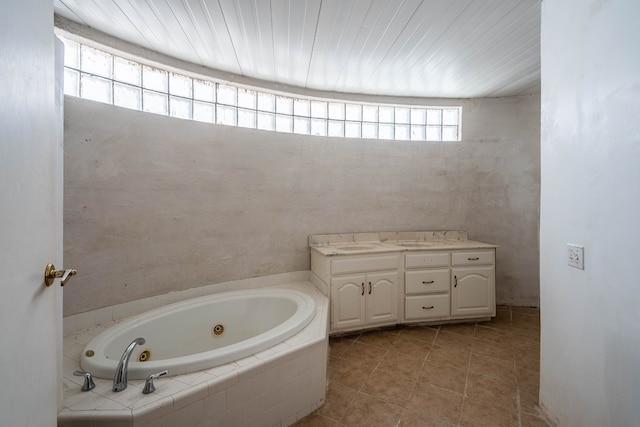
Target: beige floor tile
527,376
493,334
527,357
491,366
503,323
337,401
409,346
500,391
481,414
409,418
388,386
530,311
348,372
483,374
437,404
529,342
466,329
502,318
365,354
443,376
525,330
402,364
420,333
525,322
366,410
316,420
382,339
456,357
497,350
451,340
338,346
529,397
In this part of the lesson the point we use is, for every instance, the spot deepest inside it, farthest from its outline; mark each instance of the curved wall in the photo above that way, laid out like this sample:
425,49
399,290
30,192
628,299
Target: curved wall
155,204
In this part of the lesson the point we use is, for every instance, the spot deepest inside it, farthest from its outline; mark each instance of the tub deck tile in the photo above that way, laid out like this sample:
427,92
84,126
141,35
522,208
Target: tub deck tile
190,395
169,386
154,411
223,382
195,377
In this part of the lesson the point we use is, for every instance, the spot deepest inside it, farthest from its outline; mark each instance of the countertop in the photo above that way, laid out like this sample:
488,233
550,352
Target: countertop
372,243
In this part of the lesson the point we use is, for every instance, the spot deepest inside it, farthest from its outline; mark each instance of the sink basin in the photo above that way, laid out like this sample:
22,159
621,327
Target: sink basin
356,247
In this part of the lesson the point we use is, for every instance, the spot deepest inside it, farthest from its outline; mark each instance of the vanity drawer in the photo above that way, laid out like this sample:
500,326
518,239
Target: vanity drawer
427,259
364,264
426,307
427,281
472,258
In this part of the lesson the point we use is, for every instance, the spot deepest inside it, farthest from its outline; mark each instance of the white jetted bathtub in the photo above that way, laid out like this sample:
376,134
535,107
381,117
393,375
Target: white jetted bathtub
201,333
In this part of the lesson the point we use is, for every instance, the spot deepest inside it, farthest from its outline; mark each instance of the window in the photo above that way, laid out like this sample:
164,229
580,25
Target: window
91,73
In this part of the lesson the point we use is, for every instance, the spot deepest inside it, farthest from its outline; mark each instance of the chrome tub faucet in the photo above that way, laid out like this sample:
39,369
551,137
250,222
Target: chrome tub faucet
120,377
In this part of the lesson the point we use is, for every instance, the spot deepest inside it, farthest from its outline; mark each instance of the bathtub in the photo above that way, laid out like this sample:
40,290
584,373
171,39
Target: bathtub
201,333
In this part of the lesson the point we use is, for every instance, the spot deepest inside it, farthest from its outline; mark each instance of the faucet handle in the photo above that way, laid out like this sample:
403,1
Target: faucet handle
148,385
88,380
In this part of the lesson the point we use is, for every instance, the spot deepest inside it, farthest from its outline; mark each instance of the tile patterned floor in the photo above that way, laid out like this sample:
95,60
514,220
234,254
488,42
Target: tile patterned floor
474,374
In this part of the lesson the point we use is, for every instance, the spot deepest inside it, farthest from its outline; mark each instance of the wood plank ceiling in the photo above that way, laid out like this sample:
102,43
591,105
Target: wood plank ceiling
424,48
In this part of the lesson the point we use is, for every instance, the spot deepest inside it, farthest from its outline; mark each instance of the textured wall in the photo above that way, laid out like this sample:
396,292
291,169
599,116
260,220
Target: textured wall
590,348
155,204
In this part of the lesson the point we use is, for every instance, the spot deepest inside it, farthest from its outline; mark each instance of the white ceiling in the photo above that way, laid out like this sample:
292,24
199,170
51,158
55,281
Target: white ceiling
425,48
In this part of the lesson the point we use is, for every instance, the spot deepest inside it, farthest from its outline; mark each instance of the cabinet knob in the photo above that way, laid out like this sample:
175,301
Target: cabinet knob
427,283
362,288
455,281
427,308
369,288
475,258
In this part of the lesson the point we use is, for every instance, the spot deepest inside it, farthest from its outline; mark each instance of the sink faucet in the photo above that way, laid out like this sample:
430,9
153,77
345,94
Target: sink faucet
120,377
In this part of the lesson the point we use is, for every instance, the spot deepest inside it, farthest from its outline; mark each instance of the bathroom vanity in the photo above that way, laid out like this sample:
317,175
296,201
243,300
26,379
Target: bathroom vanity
378,279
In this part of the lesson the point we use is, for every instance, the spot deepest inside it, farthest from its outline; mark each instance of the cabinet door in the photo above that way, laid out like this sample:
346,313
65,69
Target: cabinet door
382,297
347,302
473,291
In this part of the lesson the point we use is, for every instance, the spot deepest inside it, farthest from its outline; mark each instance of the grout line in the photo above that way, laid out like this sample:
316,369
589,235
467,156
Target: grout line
466,377
515,372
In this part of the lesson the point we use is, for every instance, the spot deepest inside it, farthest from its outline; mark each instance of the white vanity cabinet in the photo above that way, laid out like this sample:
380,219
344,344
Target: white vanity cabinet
473,283
427,284
449,285
347,302
363,289
364,299
409,280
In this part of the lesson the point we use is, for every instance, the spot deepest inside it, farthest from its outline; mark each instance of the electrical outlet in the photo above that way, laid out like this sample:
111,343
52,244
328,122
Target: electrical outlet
575,256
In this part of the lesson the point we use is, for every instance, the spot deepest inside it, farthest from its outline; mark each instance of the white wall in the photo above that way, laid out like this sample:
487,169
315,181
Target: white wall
590,348
155,204
31,216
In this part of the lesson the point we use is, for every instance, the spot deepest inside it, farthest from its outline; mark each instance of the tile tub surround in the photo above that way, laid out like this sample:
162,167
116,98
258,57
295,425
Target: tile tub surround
334,244
275,387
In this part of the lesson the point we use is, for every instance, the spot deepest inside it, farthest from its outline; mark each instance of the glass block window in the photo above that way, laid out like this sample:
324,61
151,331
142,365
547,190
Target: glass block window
94,74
